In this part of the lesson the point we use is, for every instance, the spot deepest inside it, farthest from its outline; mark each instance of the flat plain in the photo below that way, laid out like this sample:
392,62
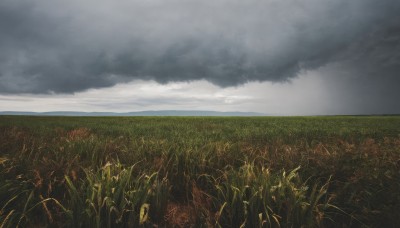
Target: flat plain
335,171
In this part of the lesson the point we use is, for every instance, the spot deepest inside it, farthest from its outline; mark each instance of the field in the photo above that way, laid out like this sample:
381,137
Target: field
199,171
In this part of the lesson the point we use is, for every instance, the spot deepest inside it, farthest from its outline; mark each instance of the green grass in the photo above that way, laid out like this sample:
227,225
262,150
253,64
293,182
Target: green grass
199,171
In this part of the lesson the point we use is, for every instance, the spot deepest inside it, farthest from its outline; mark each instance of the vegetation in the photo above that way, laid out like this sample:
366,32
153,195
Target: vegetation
199,171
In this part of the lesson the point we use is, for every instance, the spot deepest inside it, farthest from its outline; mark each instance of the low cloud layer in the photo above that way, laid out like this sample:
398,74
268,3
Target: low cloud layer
296,98
69,46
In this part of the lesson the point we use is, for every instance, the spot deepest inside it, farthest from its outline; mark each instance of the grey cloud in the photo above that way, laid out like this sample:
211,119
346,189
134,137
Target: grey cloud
69,46
366,76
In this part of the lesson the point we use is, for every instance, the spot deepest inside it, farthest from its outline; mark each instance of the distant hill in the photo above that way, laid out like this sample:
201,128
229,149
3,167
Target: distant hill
142,113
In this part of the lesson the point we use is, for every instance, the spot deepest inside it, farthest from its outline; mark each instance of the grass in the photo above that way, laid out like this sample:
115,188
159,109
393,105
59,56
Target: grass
199,171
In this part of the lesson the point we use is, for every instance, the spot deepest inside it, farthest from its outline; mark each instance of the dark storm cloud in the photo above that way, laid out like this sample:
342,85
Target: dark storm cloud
68,46
367,76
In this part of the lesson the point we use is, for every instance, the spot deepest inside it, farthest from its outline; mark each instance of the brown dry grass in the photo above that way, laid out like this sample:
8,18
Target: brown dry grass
79,133
180,215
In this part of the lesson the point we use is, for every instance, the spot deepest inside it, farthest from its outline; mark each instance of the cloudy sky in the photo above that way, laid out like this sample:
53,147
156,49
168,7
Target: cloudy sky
280,57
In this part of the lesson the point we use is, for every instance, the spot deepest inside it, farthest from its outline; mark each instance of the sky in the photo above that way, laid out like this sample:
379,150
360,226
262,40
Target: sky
292,57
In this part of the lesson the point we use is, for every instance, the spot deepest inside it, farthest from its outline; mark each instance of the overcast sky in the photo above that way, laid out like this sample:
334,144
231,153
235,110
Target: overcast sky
280,57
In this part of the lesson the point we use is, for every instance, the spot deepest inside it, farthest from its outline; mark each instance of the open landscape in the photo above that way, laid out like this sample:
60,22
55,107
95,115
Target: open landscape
337,171
188,113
